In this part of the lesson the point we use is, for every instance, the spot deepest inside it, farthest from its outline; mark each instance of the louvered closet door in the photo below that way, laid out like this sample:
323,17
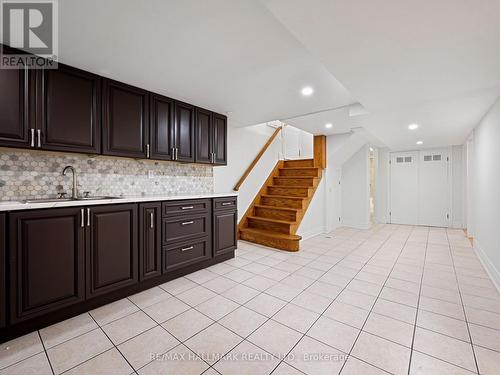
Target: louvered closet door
434,190
404,188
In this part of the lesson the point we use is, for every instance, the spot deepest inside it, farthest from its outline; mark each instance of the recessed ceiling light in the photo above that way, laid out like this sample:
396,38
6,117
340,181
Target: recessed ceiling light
329,125
307,91
420,143
413,126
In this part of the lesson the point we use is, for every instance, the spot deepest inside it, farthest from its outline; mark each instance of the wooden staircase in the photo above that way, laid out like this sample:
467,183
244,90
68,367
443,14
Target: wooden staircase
276,212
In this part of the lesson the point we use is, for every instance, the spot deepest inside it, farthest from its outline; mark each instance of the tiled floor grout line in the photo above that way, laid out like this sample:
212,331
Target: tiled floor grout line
45,352
418,301
320,315
376,298
463,307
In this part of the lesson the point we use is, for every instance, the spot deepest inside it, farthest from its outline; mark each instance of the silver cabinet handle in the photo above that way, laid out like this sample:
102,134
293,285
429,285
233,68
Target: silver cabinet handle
88,217
227,203
187,208
39,138
188,222
82,218
151,220
173,153
32,138
187,248
147,151
176,153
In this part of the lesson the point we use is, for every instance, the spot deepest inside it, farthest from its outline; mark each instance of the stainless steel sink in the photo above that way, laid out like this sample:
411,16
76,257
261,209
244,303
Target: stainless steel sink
48,200
55,200
95,198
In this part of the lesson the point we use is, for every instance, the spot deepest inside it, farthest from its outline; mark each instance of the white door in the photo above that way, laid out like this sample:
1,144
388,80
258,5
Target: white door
404,188
433,188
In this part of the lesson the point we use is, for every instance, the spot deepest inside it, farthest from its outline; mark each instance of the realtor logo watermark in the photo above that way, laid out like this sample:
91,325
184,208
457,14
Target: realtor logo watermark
30,27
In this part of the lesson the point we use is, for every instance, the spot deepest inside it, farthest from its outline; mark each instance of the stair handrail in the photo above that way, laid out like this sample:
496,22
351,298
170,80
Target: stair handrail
257,158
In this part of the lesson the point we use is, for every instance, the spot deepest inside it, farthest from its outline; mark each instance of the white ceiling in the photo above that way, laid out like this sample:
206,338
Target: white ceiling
436,63
225,55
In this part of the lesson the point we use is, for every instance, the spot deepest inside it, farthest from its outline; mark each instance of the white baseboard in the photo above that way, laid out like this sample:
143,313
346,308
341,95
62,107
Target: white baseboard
312,233
488,265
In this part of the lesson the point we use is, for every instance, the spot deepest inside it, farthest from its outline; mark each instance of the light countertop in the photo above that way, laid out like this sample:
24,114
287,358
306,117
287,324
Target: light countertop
20,205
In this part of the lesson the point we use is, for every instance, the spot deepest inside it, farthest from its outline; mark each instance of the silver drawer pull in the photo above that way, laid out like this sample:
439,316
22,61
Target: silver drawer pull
187,248
187,208
82,217
151,220
32,144
227,203
188,222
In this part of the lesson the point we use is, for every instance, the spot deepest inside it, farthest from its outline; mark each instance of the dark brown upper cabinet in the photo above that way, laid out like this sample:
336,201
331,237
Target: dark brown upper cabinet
125,120
47,249
17,127
204,136
162,127
112,249
68,112
149,240
220,139
211,137
184,132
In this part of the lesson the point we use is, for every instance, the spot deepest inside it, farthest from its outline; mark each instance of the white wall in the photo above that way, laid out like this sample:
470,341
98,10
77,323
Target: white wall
355,190
243,145
457,172
314,221
382,186
484,194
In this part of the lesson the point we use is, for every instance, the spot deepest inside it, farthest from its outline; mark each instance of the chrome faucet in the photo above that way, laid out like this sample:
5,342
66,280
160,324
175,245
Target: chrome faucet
74,193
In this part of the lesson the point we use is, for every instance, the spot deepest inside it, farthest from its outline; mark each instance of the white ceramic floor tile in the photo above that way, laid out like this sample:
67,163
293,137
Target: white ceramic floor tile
488,361
178,286
187,324
143,348
179,360
213,342
241,360
333,333
390,329
125,328
113,311
219,284
296,317
18,349
243,321
265,304
275,338
347,314
486,337
78,350
443,324
67,329
382,353
354,366
110,362
149,297
240,293
35,365
311,301
196,295
422,364
217,307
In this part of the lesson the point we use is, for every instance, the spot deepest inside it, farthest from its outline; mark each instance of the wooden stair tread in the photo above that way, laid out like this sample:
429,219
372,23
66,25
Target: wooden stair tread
263,232
291,186
277,208
283,196
296,177
253,217
300,168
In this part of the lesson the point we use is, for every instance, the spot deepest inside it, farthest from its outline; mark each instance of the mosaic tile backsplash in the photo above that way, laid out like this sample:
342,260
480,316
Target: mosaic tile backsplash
36,174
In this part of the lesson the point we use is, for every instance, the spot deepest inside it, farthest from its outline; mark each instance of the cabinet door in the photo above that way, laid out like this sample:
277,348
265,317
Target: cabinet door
149,240
15,95
220,139
184,131
225,225
125,120
112,248
162,127
204,136
3,304
69,113
46,261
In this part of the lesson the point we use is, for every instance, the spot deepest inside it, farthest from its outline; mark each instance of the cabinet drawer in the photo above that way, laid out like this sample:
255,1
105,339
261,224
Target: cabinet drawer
186,253
185,207
225,203
185,228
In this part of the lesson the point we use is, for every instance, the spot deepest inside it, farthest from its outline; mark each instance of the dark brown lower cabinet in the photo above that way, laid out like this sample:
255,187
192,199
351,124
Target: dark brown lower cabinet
185,253
112,252
3,240
149,240
47,249
225,225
